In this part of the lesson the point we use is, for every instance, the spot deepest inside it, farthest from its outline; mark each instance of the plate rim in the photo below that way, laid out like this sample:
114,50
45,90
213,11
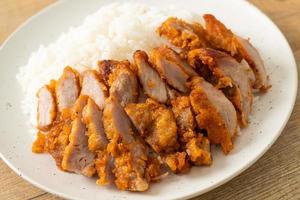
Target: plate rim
192,194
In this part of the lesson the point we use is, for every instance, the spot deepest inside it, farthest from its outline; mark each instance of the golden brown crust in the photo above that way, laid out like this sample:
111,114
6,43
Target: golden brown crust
182,34
219,36
198,149
209,118
38,145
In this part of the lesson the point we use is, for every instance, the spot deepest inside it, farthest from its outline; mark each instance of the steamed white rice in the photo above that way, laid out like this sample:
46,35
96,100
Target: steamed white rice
113,32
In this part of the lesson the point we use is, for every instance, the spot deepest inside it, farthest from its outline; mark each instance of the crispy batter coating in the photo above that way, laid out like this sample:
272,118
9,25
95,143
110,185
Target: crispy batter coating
155,123
231,77
129,153
198,149
178,162
219,36
182,34
38,145
215,113
222,38
77,156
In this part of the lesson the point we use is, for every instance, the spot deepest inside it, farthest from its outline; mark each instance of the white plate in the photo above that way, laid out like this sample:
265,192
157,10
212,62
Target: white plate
269,115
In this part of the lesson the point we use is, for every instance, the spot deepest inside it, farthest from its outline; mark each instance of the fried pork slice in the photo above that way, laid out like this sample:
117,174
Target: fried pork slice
46,111
155,123
182,110
97,142
92,117
182,34
77,156
229,73
92,86
152,84
104,165
57,139
215,113
123,86
219,36
106,67
67,89
183,114
169,70
222,38
129,153
244,65
196,146
198,149
251,55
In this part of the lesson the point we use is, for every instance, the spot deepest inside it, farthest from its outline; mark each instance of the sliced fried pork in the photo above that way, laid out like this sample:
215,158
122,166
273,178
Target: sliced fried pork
155,123
104,165
215,113
123,85
93,87
129,154
230,73
182,110
169,70
97,142
222,38
182,34
92,117
106,67
67,89
250,54
46,111
196,146
77,156
152,84
219,36
247,68
57,139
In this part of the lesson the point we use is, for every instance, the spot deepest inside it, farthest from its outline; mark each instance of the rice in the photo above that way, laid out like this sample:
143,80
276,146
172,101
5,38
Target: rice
115,31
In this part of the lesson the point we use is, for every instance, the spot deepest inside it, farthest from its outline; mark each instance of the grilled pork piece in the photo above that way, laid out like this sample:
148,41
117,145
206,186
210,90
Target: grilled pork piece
169,70
46,110
223,38
182,34
67,89
152,84
93,87
215,113
77,156
231,76
129,154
